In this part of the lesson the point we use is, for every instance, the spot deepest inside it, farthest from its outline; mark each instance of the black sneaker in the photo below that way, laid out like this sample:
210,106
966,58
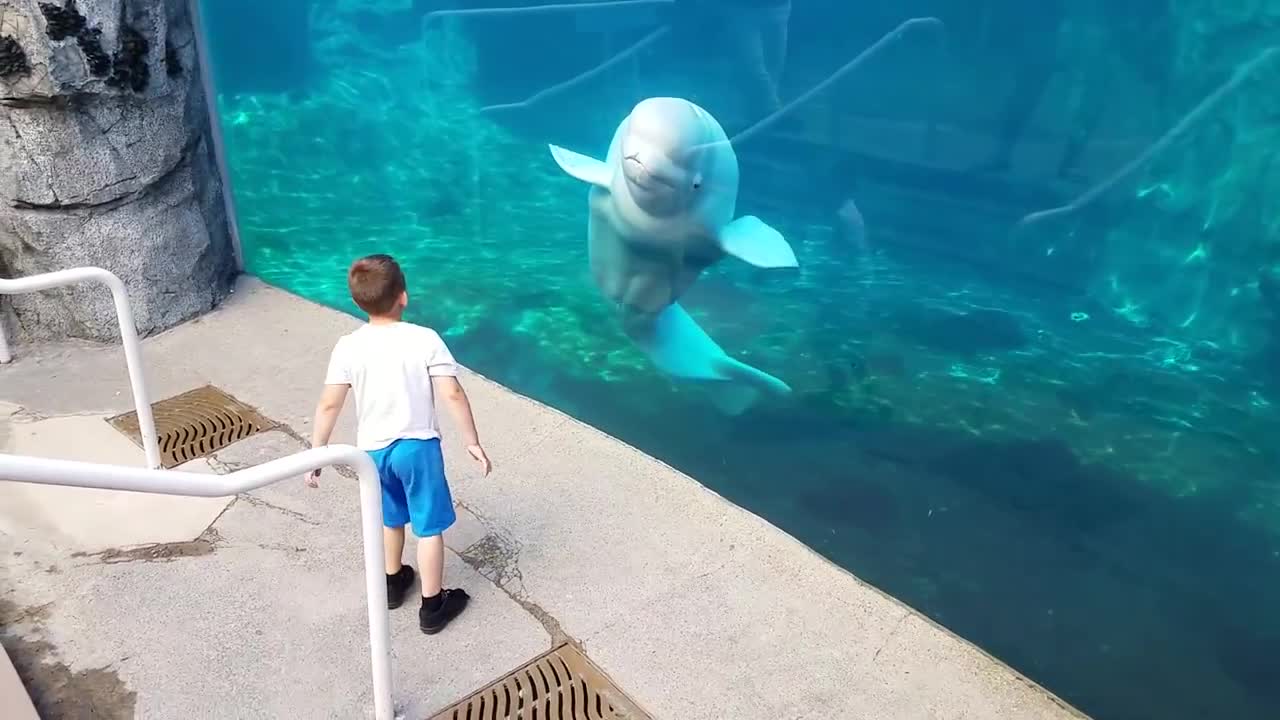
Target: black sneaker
453,602
398,585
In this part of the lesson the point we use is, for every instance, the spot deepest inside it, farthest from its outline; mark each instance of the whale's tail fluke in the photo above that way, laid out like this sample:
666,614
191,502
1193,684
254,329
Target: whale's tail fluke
679,347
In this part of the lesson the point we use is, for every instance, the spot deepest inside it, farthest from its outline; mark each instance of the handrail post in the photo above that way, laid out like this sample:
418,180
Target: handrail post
133,363
70,473
128,338
5,355
375,584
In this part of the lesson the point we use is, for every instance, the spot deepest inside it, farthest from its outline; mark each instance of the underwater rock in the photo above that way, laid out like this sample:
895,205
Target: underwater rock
1040,479
1247,654
108,162
973,332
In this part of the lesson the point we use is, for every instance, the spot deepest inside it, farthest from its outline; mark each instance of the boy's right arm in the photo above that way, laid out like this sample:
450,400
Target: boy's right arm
448,389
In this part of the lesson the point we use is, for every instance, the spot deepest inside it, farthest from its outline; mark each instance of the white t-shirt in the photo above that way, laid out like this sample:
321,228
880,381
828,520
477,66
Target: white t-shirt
389,368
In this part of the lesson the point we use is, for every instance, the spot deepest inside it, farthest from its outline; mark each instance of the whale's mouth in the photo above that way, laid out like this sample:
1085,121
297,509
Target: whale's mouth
642,176
637,172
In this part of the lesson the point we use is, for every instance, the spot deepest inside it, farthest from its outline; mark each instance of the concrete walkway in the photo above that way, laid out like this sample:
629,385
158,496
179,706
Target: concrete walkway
252,607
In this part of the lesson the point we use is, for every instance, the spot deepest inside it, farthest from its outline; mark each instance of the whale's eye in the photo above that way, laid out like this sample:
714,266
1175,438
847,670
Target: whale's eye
697,182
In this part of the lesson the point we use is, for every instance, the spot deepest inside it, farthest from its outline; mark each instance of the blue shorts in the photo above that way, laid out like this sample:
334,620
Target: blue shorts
414,488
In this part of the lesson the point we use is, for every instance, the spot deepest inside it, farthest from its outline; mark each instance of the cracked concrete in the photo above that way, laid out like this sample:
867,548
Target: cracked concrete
888,638
497,558
697,609
157,552
259,502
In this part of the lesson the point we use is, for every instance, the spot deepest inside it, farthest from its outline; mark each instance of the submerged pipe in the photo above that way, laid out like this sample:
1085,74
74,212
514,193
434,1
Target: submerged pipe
542,9
639,45
1241,74
845,69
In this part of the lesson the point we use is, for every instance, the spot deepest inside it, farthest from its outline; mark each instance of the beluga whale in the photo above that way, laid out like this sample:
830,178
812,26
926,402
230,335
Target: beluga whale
661,210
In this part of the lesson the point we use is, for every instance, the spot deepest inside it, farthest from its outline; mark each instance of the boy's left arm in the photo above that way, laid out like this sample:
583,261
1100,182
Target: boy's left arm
327,411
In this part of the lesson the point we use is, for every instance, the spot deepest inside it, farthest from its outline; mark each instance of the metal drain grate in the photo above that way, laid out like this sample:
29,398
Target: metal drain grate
561,685
195,424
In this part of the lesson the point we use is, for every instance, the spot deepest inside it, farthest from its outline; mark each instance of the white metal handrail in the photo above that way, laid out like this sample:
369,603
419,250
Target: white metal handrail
128,337
43,471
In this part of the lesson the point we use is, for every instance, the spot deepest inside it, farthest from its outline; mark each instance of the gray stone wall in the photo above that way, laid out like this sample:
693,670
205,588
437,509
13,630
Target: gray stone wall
106,159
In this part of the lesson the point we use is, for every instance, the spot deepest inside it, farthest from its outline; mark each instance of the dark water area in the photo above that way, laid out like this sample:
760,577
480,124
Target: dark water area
270,40
1032,341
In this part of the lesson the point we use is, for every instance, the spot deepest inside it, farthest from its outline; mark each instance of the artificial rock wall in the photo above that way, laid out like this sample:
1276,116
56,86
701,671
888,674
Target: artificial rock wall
106,159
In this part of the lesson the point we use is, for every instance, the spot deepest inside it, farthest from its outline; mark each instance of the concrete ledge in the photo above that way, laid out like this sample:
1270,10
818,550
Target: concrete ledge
696,608
699,608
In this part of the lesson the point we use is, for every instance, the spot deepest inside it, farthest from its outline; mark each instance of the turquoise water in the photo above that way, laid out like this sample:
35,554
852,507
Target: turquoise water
1052,432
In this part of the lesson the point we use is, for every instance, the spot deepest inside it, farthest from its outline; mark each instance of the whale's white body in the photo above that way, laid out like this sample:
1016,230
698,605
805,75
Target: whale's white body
662,207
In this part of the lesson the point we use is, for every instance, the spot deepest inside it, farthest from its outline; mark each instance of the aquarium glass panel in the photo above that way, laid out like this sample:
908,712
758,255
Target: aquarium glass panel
980,300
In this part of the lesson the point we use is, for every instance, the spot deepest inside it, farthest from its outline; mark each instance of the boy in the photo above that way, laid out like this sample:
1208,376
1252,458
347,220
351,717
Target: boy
397,369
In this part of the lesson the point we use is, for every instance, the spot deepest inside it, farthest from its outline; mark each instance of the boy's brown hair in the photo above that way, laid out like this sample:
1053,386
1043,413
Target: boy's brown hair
376,282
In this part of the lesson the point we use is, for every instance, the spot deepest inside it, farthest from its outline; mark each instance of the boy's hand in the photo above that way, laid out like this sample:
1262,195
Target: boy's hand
313,478
477,453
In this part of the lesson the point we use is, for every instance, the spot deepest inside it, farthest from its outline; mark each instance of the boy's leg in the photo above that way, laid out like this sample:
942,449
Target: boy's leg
431,564
421,466
395,515
393,546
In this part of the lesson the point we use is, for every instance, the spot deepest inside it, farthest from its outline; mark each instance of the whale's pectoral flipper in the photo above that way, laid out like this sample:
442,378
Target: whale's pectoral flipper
752,240
679,347
586,169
